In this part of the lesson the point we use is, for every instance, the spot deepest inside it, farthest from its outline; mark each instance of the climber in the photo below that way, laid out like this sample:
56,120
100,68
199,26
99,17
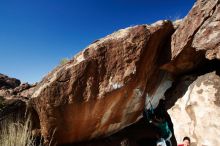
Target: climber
157,118
165,131
160,120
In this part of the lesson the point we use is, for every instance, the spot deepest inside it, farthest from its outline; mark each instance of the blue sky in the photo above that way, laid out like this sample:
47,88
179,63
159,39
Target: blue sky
36,34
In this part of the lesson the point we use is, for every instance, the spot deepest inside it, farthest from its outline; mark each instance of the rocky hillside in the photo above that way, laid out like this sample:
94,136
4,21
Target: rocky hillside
98,97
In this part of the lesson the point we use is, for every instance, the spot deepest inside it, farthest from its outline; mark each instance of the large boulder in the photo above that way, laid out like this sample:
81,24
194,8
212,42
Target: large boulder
197,111
103,88
196,38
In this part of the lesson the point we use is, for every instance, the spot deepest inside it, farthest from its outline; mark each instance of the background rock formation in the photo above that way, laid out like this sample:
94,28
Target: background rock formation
13,97
103,88
196,38
197,113
7,82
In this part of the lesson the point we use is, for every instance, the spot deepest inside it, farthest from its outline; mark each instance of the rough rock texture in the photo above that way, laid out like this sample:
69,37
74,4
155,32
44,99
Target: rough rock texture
12,88
103,88
13,97
178,89
7,82
197,113
25,90
21,88
197,36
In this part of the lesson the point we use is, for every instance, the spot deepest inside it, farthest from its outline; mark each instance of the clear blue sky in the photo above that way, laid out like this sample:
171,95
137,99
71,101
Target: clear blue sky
36,34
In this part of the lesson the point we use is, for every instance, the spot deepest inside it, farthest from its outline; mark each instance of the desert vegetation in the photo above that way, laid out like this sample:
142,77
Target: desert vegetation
64,61
16,133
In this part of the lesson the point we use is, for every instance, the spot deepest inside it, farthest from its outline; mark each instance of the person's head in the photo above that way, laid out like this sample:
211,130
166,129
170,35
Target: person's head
186,141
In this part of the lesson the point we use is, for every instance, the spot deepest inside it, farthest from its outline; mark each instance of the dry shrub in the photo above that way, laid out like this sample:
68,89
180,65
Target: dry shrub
16,133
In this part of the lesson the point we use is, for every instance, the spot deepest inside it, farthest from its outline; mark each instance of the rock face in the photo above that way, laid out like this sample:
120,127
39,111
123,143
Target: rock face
12,88
13,97
103,88
23,91
197,36
197,113
7,82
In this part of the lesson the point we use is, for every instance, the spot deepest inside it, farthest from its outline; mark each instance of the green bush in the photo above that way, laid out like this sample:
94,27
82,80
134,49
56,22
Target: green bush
64,61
